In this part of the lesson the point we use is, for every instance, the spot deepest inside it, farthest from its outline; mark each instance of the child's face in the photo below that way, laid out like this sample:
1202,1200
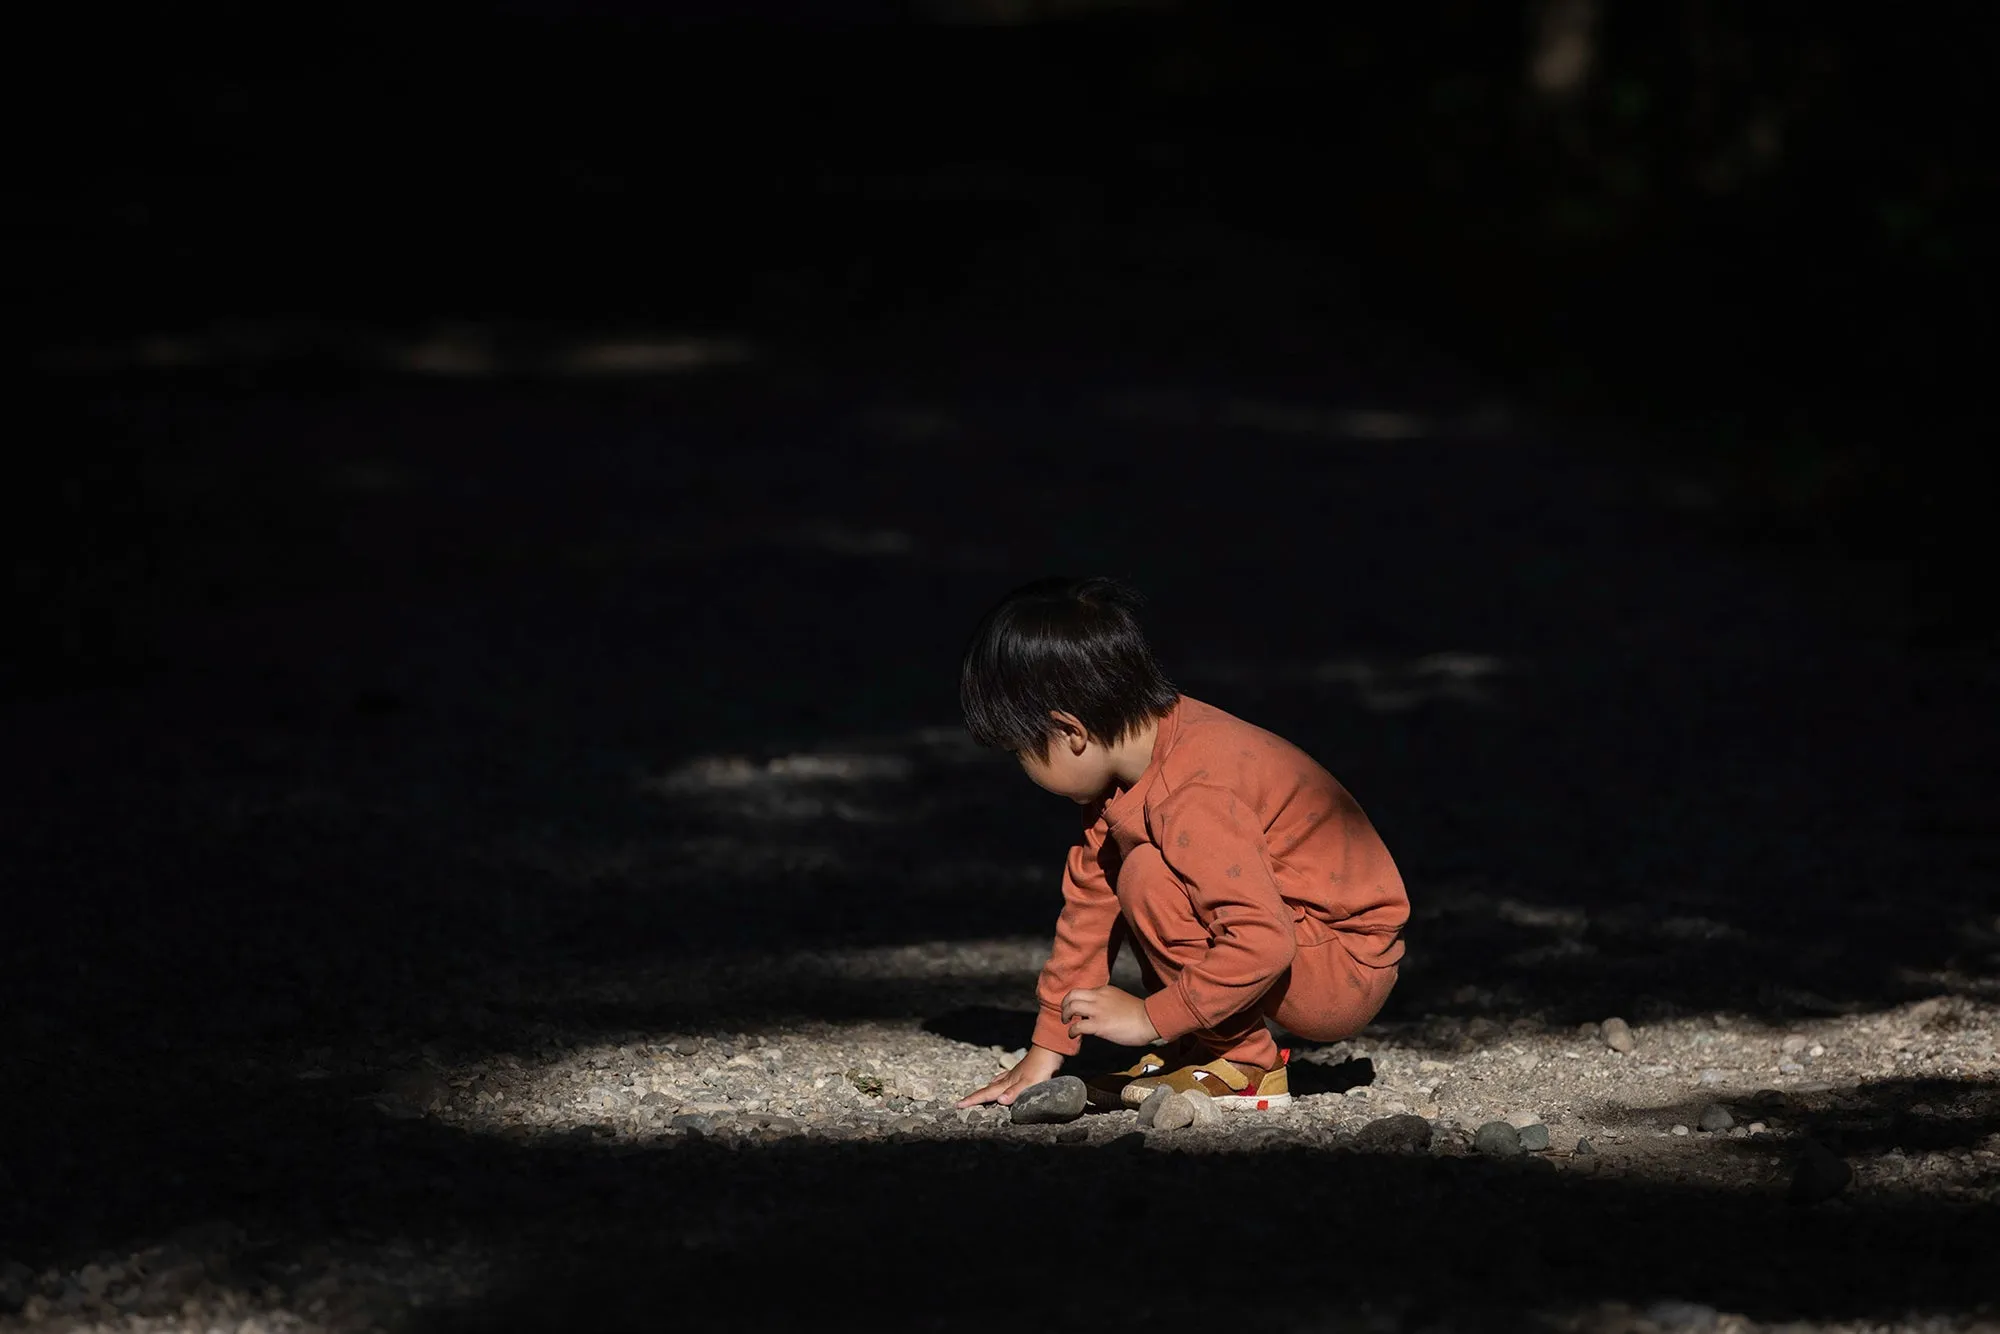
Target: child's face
1074,765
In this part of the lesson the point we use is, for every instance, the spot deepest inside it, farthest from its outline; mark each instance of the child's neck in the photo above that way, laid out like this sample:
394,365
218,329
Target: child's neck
1133,753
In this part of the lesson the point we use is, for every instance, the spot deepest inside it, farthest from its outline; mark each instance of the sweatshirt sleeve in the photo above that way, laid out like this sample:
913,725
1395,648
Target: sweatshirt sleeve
1081,956
1214,842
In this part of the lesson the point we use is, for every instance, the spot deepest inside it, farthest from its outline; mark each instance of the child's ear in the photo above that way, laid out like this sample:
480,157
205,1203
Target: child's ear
1075,736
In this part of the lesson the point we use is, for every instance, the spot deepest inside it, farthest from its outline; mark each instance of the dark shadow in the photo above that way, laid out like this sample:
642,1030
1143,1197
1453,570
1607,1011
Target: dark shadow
1309,1077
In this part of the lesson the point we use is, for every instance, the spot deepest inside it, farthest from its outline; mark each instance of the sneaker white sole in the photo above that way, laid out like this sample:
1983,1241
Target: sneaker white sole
1228,1102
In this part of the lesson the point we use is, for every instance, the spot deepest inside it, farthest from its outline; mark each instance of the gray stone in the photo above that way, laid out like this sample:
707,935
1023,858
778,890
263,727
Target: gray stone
1394,1134
686,1046
1150,1108
1522,1120
1534,1138
1585,1148
1820,1175
1617,1035
1177,1112
1715,1117
1050,1102
1497,1139
694,1123
1073,1135
1206,1113
655,1099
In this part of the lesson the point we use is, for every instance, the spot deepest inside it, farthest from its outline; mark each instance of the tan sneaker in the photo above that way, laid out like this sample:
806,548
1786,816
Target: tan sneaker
1235,1088
1106,1091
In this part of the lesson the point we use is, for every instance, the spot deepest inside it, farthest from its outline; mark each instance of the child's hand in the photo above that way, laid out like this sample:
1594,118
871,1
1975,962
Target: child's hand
1112,1014
1040,1063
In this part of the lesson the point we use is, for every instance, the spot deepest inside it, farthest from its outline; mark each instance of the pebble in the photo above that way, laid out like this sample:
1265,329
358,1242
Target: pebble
1150,1108
1715,1117
1584,1148
1617,1035
1820,1175
1073,1135
1177,1112
1535,1138
1679,1131
1522,1120
1206,1113
1009,1060
1793,1044
1712,1077
1050,1102
693,1123
686,1046
1395,1134
1497,1139
1791,1068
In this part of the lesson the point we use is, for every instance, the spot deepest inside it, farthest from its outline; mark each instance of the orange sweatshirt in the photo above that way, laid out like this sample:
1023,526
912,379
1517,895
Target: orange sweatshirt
1262,837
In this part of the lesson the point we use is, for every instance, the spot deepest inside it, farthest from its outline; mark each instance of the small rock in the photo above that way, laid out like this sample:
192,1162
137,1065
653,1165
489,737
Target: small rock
1535,1138
1585,1149
1394,1134
1791,1068
655,1099
1679,1131
921,1090
97,1279
1820,1175
1715,1117
1150,1108
1013,1058
1522,1120
1497,1139
1617,1035
1793,1044
1206,1113
686,1046
693,1123
1073,1135
1177,1112
1758,1127
1713,1077
1050,1102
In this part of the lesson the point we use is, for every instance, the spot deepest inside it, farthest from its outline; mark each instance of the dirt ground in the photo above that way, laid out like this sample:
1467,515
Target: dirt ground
511,863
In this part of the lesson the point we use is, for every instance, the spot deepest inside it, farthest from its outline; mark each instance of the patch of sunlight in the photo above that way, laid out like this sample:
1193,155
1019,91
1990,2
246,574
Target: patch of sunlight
647,356
1381,685
463,353
737,771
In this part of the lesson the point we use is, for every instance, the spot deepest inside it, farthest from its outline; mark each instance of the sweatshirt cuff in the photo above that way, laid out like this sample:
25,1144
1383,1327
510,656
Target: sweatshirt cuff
1053,1033
1171,1016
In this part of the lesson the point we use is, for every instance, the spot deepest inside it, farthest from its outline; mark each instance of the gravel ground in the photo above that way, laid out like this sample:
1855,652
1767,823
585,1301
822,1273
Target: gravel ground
544,887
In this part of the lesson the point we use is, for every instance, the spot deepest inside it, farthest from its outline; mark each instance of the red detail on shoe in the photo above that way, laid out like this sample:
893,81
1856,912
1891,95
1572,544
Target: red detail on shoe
1284,1056
1263,1104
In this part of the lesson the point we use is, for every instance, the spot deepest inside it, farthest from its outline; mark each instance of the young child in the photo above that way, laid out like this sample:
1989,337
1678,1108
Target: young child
1250,882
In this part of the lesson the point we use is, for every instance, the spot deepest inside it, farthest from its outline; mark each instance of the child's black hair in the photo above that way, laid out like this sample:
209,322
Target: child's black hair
1060,644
